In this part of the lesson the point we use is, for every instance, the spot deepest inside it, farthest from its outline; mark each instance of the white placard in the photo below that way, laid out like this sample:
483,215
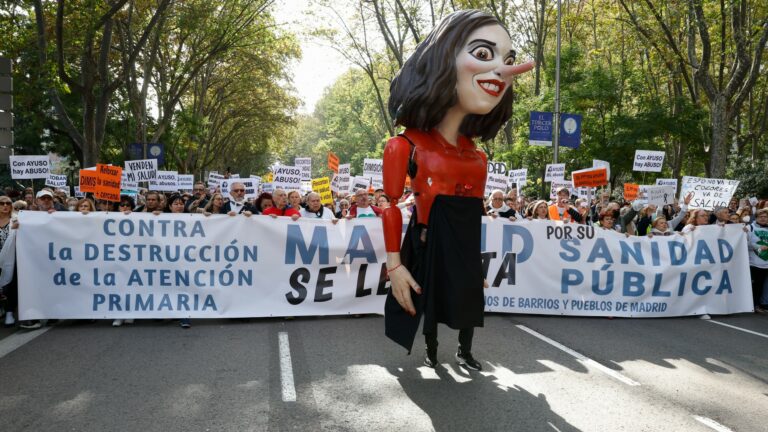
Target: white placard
648,160
518,177
359,182
127,184
335,183
667,182
267,187
214,180
305,163
554,172
165,181
186,182
287,178
557,184
497,168
344,177
373,169
30,167
586,193
251,189
256,182
234,176
306,187
657,195
495,181
602,163
79,194
140,170
708,193
57,181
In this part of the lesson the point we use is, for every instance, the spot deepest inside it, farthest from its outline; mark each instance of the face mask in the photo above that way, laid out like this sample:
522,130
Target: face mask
745,219
71,208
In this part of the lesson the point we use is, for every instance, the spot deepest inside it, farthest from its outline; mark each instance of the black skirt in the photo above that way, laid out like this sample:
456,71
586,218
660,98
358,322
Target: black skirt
448,267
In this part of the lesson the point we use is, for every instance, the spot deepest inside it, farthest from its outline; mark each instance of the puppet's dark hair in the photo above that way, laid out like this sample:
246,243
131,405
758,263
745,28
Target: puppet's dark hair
425,87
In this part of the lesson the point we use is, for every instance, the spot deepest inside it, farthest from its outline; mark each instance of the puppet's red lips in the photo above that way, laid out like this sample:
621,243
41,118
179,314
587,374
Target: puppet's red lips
492,87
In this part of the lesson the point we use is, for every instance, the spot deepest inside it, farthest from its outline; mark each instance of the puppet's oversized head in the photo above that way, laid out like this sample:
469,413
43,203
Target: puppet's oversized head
466,62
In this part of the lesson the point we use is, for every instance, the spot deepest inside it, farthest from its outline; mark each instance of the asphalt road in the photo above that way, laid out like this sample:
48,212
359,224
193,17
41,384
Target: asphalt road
341,374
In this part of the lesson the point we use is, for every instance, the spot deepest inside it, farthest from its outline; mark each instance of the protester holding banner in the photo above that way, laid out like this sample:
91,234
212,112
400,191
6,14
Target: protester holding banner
660,225
176,205
85,206
562,210
263,202
280,206
238,204
294,199
343,208
362,206
697,217
126,204
496,205
199,199
152,203
10,291
315,208
450,90
758,260
539,210
215,205
382,201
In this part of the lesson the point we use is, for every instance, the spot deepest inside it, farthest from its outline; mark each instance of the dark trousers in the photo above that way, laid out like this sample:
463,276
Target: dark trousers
11,292
758,279
465,339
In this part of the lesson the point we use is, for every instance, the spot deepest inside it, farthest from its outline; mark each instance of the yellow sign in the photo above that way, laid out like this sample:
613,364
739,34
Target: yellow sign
322,186
267,178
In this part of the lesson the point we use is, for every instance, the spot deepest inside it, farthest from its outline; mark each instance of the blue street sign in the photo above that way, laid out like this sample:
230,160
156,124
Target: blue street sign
540,132
154,151
570,130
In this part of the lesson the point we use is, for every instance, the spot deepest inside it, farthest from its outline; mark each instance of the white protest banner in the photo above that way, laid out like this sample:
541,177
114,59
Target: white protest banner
708,193
602,163
140,170
359,182
234,176
648,160
173,266
518,178
305,163
667,182
30,167
186,182
497,168
335,183
373,169
256,182
554,172
495,181
127,183
344,177
165,181
56,181
557,184
286,177
657,195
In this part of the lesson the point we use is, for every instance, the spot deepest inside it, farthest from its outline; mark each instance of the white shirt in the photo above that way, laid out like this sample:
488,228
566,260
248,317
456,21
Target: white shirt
365,212
324,214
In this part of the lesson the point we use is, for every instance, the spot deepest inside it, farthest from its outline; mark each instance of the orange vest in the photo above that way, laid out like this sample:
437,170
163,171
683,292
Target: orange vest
555,215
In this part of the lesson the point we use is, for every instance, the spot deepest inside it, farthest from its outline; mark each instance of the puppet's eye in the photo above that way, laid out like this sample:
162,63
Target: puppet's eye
509,61
482,53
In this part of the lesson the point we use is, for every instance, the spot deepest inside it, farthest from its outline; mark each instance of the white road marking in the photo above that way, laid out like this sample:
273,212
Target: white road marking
286,369
712,424
586,360
739,328
16,340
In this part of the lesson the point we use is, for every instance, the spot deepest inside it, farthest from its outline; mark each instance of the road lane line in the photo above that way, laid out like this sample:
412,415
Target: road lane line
286,369
712,424
16,340
739,328
606,370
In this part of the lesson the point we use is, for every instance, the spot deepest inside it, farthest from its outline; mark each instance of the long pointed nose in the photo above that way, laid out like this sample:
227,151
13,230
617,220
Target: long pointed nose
510,71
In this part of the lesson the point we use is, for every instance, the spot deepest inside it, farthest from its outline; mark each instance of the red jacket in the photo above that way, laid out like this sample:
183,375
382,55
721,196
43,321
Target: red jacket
286,211
353,210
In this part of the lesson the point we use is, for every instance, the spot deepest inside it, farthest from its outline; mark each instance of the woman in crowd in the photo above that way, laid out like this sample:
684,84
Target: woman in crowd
85,206
72,203
176,205
539,210
343,209
697,217
263,202
383,201
10,291
106,206
215,205
607,221
294,200
660,225
126,206
758,260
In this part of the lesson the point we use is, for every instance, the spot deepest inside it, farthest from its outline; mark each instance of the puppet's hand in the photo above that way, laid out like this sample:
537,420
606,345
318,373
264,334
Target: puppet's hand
402,283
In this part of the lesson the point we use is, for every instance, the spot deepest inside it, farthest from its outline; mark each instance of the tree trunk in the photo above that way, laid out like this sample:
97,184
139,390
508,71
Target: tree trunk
718,150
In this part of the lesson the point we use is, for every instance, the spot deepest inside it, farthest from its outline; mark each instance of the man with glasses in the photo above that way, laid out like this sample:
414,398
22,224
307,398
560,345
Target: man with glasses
238,204
199,199
497,206
363,207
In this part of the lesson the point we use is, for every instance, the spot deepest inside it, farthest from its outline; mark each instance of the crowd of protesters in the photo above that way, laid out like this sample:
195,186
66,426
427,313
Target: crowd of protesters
628,218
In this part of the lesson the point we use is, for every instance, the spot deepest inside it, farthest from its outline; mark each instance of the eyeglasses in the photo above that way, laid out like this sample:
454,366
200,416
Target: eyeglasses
497,199
124,205
238,190
5,203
